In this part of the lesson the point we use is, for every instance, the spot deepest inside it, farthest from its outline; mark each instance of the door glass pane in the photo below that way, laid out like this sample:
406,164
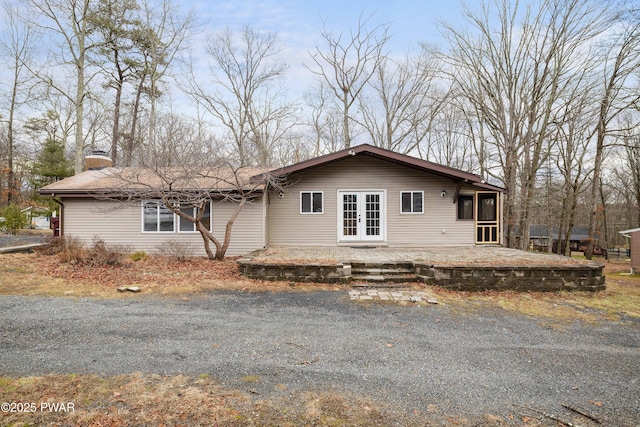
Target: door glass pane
487,207
372,215
350,214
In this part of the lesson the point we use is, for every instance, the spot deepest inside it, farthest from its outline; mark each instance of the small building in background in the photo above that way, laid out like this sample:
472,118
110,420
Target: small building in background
634,245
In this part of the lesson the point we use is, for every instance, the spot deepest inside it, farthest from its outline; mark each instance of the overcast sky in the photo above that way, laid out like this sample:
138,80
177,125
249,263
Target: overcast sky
299,23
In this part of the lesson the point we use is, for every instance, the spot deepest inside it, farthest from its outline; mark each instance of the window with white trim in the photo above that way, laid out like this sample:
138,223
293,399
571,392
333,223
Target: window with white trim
186,226
412,202
157,218
311,202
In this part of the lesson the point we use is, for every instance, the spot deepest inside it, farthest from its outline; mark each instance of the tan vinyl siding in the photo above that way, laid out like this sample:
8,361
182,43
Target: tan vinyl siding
437,226
121,224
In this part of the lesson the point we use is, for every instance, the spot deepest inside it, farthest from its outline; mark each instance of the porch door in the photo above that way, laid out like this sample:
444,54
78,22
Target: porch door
361,216
487,218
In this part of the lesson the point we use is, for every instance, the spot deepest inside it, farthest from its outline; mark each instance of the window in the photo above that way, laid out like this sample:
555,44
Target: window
187,226
157,218
465,207
311,202
411,201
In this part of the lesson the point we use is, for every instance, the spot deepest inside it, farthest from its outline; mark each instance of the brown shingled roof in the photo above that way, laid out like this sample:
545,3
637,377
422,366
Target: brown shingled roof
115,180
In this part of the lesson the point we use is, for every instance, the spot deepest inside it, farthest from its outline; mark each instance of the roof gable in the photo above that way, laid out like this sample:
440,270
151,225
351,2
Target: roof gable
389,156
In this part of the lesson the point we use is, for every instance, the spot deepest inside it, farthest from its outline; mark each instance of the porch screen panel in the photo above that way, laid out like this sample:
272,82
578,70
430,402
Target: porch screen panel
372,215
350,214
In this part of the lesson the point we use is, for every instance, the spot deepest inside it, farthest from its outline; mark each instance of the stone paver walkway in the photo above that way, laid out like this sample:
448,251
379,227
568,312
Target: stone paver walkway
391,295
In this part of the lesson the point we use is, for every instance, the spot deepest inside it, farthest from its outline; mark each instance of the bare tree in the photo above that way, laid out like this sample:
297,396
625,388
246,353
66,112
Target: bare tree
572,158
449,142
405,101
632,151
512,72
621,59
16,47
324,121
347,65
164,33
247,98
68,22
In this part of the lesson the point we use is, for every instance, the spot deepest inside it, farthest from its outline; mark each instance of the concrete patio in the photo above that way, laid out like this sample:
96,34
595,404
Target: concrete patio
460,267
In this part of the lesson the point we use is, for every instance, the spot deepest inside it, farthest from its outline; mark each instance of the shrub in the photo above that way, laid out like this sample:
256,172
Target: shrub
14,219
71,250
178,250
101,254
138,256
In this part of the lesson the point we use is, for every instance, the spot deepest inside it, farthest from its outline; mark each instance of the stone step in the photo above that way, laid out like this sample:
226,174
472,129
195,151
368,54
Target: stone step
382,265
381,271
376,274
362,284
381,281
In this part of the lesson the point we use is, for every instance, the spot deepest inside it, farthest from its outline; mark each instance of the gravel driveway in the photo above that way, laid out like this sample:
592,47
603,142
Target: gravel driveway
409,357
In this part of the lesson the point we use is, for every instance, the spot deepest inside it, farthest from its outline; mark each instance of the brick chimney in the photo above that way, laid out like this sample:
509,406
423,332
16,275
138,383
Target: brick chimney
97,160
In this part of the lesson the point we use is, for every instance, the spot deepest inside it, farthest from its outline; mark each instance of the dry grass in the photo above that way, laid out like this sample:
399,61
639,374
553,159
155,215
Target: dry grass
619,302
37,274
137,400
145,399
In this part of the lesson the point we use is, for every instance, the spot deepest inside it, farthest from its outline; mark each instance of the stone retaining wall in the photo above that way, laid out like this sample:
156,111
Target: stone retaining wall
535,278
321,273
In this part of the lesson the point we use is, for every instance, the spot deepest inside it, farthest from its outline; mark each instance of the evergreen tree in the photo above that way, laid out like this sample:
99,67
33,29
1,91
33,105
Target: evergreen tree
51,165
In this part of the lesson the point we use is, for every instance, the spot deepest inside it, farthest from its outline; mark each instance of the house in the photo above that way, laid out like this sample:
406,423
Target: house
361,196
540,236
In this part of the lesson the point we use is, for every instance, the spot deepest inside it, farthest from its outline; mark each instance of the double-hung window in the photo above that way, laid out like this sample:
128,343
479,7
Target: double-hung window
187,226
412,202
157,218
311,202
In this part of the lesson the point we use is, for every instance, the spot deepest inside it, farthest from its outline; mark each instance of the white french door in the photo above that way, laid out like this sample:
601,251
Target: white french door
361,216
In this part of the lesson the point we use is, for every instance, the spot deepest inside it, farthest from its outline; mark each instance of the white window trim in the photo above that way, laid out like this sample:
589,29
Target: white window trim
176,220
156,231
312,192
195,230
412,212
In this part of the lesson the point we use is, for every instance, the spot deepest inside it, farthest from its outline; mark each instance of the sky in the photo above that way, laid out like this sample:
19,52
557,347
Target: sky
299,22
